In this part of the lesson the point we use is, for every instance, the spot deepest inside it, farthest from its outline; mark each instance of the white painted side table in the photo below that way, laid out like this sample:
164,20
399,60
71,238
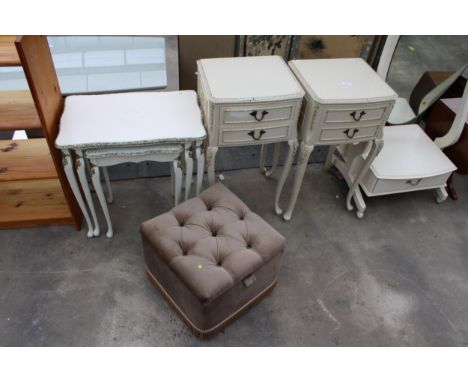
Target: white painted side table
249,101
126,127
346,104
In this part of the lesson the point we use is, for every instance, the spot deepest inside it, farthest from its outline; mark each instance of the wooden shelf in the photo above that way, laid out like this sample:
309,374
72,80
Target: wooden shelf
17,111
29,203
26,159
8,53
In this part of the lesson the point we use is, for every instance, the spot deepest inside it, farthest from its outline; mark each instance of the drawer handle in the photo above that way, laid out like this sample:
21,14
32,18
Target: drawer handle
357,119
260,133
413,182
350,133
255,115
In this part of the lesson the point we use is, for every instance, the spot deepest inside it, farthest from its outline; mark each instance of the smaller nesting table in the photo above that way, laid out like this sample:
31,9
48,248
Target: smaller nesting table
129,127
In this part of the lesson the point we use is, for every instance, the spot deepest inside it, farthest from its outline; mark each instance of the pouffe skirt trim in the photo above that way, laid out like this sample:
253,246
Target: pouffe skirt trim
218,327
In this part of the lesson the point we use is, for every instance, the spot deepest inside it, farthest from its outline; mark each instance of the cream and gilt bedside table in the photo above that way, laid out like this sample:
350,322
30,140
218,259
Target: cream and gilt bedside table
249,101
347,105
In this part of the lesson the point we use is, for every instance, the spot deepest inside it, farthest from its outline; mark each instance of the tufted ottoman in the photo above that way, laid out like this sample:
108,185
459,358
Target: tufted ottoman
212,258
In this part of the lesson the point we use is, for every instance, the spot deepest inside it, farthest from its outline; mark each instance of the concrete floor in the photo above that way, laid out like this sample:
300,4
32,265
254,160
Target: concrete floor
398,277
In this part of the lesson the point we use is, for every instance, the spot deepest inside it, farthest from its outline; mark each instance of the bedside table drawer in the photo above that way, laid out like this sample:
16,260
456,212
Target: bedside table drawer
253,136
256,113
354,114
348,134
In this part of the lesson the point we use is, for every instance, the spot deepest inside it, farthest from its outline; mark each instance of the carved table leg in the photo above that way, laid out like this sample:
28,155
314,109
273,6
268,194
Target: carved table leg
100,194
304,154
200,166
263,154
110,197
329,160
68,168
81,169
287,167
210,163
276,154
188,157
354,187
176,168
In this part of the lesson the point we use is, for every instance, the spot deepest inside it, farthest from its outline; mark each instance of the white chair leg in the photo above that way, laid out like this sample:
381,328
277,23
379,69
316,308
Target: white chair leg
200,167
177,181
81,169
110,197
68,168
304,154
441,194
100,194
210,162
188,169
263,155
287,167
276,154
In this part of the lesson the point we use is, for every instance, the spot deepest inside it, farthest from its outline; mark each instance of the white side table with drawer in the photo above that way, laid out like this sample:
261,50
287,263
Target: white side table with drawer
249,101
346,104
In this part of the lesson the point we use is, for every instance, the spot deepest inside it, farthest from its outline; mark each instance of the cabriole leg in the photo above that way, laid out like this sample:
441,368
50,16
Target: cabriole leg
200,167
284,174
81,169
100,194
177,181
329,160
276,154
210,163
304,154
263,155
110,197
68,168
188,157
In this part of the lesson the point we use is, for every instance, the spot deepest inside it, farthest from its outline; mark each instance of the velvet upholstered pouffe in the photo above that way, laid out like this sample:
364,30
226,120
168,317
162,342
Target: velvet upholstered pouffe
212,258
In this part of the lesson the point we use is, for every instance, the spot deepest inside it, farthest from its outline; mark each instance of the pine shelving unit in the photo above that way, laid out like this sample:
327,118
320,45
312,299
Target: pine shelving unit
33,187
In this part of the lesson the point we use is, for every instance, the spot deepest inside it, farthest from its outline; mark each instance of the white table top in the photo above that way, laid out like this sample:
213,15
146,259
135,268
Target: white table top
408,153
341,80
236,79
130,119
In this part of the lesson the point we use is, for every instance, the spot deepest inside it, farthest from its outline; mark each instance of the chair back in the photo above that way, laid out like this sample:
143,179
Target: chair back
387,55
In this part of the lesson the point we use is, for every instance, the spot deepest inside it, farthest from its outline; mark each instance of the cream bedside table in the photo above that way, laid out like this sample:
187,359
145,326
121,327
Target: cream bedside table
249,101
346,104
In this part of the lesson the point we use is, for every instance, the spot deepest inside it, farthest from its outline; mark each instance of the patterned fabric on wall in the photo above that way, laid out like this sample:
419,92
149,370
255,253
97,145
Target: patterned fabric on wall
303,47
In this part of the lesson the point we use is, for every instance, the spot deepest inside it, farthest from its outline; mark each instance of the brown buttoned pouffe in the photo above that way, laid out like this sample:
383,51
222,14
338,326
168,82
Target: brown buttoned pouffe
212,258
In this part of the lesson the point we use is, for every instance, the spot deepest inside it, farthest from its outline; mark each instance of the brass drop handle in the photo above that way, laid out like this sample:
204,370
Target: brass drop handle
354,113
413,182
255,115
256,138
350,133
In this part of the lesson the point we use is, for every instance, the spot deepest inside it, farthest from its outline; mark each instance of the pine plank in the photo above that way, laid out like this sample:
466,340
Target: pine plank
26,159
17,111
8,53
29,203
